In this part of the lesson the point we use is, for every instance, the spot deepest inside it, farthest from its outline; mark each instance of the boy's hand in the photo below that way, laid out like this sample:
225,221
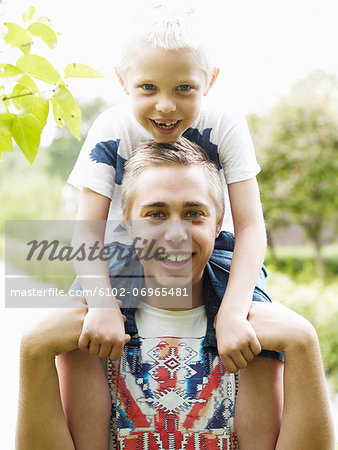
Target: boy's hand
237,342
103,333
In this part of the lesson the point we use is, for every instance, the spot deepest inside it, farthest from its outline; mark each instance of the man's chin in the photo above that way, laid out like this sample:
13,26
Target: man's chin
171,283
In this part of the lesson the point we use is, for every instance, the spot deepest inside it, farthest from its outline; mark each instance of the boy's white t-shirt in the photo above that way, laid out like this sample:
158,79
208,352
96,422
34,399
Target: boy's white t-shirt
171,392
116,133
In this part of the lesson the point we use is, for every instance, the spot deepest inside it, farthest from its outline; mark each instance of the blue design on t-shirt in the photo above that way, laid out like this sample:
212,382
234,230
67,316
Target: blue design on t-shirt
193,135
119,227
106,153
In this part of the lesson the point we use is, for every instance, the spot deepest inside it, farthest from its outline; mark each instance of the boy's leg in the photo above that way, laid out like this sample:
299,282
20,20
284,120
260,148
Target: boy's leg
259,404
86,399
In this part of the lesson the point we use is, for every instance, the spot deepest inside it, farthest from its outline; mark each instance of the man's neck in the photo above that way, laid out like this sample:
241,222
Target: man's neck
175,298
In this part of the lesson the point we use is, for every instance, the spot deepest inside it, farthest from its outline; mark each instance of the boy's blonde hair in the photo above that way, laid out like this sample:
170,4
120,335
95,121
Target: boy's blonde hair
167,26
181,153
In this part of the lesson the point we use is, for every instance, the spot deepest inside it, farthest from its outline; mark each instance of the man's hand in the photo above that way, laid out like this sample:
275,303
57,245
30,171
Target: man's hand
278,328
237,342
55,333
103,333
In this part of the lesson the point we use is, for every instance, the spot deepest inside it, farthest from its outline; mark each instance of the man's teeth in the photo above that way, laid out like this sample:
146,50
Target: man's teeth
166,125
176,258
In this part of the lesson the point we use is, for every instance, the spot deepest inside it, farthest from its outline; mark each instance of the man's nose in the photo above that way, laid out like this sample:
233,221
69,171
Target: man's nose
176,231
165,104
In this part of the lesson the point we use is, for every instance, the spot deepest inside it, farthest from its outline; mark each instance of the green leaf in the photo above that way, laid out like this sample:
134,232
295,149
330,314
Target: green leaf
28,83
28,14
36,103
57,113
26,102
6,122
44,32
18,37
18,94
66,108
6,144
26,132
77,70
38,67
8,70
40,109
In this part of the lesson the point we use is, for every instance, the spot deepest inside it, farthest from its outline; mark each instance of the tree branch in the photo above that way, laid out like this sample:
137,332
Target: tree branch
10,97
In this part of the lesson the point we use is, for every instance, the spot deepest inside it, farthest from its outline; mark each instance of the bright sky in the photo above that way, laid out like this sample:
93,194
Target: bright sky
261,46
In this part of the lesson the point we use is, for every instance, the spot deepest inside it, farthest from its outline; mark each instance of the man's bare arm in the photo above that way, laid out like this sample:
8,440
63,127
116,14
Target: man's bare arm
41,423
259,404
307,422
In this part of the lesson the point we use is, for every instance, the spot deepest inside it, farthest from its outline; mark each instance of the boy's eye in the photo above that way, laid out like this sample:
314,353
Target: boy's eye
148,87
184,88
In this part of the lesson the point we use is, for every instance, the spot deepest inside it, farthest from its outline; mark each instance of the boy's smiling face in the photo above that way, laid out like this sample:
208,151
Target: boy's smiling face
166,89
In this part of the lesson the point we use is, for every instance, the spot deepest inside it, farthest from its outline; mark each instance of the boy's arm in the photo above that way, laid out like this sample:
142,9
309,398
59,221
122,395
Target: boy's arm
98,335
236,340
306,420
41,423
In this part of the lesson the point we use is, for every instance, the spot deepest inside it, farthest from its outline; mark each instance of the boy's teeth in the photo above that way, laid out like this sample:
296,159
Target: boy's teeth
166,124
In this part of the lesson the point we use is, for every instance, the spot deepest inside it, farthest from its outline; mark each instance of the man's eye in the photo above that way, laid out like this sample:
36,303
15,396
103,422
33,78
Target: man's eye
148,87
194,214
156,215
184,88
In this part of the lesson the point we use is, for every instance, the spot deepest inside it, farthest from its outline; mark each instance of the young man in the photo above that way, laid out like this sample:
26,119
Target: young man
170,389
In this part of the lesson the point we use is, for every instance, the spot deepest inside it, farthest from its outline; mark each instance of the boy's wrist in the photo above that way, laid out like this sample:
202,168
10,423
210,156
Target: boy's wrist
234,306
102,302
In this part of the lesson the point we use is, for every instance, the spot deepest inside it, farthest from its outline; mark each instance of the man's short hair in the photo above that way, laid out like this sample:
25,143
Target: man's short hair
167,27
181,153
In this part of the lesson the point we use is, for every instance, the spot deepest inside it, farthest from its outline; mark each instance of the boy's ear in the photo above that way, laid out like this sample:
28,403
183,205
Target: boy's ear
214,76
121,80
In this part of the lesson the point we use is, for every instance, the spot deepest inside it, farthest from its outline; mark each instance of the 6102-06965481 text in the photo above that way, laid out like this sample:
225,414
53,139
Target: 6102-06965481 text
134,292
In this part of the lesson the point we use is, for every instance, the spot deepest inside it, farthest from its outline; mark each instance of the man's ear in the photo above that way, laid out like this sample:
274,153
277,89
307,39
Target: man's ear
214,76
126,221
219,225
121,80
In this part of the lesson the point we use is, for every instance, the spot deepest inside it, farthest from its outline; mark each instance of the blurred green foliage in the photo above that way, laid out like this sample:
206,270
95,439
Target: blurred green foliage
297,145
37,192
316,300
63,151
299,262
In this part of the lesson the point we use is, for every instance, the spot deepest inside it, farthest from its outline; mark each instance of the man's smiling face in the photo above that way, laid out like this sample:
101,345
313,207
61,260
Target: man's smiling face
173,206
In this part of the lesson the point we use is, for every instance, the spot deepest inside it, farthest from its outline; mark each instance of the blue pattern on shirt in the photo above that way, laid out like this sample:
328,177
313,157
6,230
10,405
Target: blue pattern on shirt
203,140
107,153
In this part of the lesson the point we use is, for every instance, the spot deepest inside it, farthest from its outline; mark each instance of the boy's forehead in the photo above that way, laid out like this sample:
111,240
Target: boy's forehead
177,63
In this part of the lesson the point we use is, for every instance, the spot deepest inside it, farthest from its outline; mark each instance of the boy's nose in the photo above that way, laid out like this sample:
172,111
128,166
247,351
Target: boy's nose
165,105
